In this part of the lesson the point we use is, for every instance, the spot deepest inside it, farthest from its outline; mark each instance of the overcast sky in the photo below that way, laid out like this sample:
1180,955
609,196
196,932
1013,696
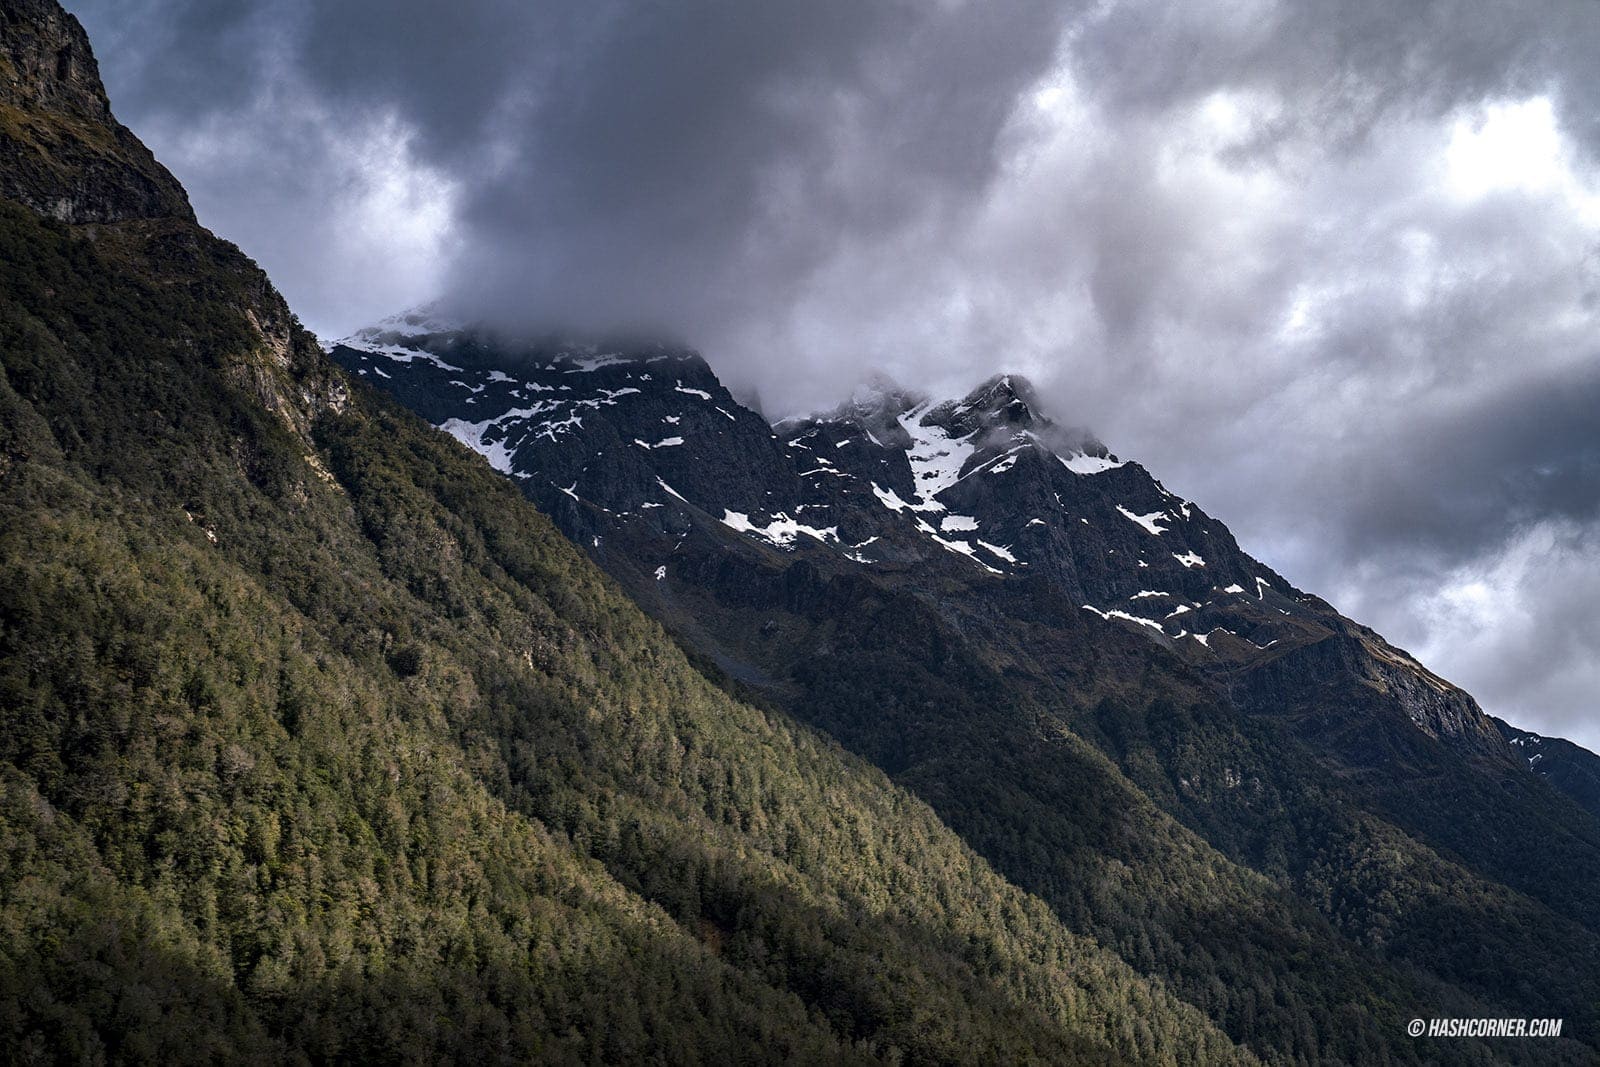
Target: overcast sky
1332,270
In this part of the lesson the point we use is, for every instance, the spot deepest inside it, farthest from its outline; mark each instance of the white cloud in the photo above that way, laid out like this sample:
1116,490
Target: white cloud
1331,270
1514,145
352,226
1516,626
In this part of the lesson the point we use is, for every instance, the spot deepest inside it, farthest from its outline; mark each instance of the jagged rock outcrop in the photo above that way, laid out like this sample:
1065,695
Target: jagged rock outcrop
642,455
62,152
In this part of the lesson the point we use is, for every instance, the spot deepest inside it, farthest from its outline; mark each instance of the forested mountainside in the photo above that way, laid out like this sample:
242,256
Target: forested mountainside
1040,639
320,742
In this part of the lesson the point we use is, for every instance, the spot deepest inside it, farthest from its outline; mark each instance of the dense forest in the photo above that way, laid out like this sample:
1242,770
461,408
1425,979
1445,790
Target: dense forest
318,741
1300,922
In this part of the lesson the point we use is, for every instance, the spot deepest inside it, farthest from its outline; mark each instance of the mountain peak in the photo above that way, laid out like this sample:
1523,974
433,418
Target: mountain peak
423,320
876,386
50,65
878,397
1005,399
62,153
438,334
1014,386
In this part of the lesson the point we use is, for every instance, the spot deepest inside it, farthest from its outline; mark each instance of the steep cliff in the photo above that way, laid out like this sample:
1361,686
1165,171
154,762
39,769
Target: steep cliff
61,151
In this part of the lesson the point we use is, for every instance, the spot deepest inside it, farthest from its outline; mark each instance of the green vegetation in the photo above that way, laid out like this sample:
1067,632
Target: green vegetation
1209,849
318,742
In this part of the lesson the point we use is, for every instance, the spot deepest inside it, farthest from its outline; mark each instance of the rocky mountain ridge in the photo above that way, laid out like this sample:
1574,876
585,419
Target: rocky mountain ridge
649,448
1037,637
1572,769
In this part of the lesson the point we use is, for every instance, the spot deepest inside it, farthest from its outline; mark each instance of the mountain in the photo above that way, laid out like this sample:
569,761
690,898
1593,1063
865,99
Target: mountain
1082,673
319,742
983,491
61,151
897,484
323,739
1573,770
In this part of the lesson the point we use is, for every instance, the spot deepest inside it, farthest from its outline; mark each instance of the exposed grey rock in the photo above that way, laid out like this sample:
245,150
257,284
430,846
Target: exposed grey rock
62,153
642,455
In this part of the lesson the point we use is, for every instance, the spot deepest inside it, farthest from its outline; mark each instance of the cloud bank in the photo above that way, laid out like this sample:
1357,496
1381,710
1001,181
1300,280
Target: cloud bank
1332,270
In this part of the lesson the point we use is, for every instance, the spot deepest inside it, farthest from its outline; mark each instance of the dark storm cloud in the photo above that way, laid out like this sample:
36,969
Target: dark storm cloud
180,56
686,161
671,162
1333,270
1480,474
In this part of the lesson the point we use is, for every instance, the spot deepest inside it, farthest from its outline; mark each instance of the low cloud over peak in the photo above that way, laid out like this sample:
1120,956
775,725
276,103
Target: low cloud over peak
1332,270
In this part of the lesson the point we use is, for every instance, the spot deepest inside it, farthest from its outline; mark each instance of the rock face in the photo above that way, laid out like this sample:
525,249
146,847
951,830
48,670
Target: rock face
642,455
64,156
963,591
62,152
981,507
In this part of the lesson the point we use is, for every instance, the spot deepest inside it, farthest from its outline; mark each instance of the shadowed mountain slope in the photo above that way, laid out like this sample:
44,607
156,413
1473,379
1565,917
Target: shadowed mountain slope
1187,757
320,742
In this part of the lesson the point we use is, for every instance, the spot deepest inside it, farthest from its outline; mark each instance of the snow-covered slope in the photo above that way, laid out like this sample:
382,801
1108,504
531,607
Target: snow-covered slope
989,477
643,456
